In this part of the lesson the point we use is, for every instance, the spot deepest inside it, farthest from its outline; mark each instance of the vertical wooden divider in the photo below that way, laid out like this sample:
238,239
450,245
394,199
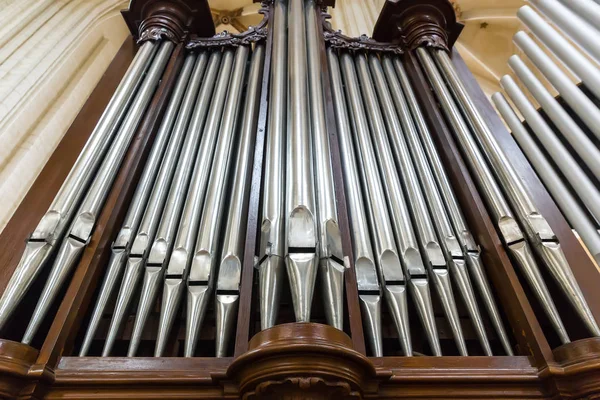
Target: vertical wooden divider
526,328
88,272
584,269
351,288
245,314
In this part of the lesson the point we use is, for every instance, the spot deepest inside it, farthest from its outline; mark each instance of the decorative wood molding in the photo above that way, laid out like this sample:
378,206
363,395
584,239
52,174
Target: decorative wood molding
252,35
301,361
415,23
168,19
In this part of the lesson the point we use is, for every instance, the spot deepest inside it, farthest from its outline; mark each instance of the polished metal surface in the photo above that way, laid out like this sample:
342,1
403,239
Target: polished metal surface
508,228
386,257
577,138
41,244
561,48
587,9
467,242
200,282
331,268
364,264
232,254
568,165
301,220
272,243
421,173
122,245
549,250
569,91
84,220
391,146
155,237
582,33
561,194
183,249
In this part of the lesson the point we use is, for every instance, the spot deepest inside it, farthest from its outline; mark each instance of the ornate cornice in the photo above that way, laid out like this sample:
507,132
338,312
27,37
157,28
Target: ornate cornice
253,34
415,23
168,19
338,40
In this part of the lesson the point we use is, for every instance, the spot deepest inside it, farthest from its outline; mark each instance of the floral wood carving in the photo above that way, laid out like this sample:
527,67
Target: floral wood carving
253,34
338,40
301,388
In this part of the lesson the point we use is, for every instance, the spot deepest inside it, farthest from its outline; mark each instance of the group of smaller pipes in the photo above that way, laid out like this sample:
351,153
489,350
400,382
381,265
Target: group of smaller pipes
184,232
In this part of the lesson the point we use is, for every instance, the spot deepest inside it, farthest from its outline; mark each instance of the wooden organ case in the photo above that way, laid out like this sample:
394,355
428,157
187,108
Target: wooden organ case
292,213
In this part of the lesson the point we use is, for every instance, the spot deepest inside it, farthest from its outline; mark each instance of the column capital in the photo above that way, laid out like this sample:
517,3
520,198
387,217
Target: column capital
169,19
415,23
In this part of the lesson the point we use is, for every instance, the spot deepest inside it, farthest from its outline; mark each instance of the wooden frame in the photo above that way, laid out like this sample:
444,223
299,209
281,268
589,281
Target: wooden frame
293,360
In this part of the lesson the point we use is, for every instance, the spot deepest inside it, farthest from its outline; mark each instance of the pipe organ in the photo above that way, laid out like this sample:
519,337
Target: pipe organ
289,212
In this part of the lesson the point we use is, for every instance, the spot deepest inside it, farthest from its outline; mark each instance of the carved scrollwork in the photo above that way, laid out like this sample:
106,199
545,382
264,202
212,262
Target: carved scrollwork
252,35
302,388
157,33
338,40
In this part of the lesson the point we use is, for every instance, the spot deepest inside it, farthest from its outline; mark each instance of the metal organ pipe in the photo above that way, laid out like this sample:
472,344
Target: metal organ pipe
577,62
272,229
392,147
331,267
230,271
178,266
418,170
567,202
578,29
365,263
471,250
84,220
507,225
51,229
122,244
578,139
577,100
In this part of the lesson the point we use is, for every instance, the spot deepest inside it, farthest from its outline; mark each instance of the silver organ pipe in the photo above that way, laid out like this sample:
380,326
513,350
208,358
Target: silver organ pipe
576,27
180,255
507,224
586,9
571,182
567,202
158,158
272,249
52,227
85,218
559,46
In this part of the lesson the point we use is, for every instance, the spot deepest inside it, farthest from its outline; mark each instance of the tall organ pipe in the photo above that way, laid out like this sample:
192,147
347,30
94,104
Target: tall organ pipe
567,202
200,282
84,220
154,239
581,143
387,256
470,248
507,225
582,33
51,228
573,96
122,244
417,172
183,249
232,255
569,55
537,229
272,243
383,119
301,227
365,265
330,241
